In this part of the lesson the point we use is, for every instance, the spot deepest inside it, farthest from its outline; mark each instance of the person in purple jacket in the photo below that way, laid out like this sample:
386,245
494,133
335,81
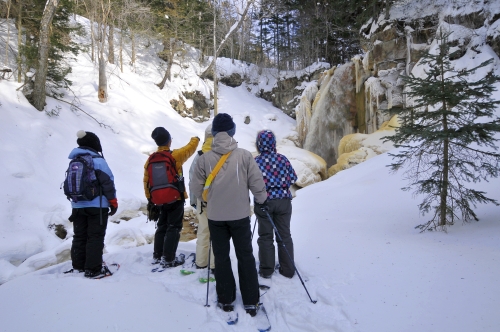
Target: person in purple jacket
278,175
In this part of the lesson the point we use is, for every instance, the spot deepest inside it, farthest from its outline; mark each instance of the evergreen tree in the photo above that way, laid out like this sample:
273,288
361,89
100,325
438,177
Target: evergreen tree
61,44
447,137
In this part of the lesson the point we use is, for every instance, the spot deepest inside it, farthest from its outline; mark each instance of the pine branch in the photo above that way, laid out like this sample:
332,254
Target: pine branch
496,155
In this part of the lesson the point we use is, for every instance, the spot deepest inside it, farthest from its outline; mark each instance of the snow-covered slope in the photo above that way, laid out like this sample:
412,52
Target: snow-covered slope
355,245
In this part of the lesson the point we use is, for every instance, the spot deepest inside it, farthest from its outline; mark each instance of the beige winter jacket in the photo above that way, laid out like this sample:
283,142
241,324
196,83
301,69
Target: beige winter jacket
228,197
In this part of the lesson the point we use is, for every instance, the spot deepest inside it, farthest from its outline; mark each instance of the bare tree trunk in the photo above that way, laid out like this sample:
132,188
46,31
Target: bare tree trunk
277,43
121,49
166,77
170,62
326,40
132,36
102,92
8,35
19,41
240,50
111,44
289,42
43,54
103,82
92,40
210,68
446,159
261,53
214,62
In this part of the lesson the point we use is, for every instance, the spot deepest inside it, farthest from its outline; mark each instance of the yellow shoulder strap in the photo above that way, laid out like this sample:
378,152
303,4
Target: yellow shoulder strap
212,175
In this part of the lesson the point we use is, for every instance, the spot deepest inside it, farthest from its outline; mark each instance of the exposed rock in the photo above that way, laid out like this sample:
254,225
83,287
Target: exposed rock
286,94
494,43
472,21
390,50
179,106
59,230
234,80
189,225
199,111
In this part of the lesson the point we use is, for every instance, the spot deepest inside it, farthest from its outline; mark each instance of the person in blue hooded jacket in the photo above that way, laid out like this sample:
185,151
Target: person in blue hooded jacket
90,218
278,175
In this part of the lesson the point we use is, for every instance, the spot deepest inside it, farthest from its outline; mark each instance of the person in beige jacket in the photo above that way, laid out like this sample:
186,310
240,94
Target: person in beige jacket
203,233
228,212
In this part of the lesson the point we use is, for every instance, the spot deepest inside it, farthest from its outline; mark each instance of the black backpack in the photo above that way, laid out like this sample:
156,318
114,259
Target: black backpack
81,182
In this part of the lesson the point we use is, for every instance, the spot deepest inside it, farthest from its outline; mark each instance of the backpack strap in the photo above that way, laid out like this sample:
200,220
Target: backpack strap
212,175
167,155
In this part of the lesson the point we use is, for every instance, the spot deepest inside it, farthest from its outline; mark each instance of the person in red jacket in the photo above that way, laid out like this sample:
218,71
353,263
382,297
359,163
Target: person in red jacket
169,225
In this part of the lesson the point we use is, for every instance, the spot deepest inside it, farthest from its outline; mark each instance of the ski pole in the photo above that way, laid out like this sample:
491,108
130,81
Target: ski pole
255,224
100,205
208,268
288,254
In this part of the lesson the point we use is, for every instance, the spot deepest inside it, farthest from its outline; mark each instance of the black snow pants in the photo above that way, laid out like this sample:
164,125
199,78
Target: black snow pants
88,240
280,211
220,233
168,231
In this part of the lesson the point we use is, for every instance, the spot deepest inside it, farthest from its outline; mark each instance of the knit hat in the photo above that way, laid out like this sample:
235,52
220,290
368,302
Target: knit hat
223,122
88,139
161,136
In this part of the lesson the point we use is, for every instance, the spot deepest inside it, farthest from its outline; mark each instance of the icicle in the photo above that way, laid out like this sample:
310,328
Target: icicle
409,41
388,95
303,111
358,75
368,105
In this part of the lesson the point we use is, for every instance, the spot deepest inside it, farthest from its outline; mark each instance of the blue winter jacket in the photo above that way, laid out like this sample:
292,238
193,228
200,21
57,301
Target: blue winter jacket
104,176
276,169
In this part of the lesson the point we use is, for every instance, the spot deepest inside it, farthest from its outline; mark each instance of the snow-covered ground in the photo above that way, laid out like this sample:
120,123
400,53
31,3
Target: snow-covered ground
355,243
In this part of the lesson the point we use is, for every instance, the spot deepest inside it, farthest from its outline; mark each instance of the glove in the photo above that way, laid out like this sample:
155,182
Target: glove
113,205
263,207
153,211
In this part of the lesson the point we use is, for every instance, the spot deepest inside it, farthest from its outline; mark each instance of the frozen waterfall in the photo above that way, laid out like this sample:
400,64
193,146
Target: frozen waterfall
332,114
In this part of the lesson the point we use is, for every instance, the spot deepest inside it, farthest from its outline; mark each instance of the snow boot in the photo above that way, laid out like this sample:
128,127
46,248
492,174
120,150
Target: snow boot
179,260
98,274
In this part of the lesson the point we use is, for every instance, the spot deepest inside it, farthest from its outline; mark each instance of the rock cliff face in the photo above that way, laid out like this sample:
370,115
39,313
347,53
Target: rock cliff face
353,97
286,94
194,105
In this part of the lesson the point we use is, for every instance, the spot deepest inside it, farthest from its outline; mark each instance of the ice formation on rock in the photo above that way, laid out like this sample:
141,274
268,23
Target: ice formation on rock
356,148
332,113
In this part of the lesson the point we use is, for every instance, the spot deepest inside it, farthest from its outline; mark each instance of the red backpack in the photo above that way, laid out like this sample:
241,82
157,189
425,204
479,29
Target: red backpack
163,178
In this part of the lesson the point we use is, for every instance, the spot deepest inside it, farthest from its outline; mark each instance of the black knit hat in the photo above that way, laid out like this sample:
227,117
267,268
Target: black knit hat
161,136
223,122
88,139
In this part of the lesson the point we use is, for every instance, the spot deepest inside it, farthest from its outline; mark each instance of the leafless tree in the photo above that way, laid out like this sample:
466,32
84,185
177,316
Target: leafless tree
233,29
43,54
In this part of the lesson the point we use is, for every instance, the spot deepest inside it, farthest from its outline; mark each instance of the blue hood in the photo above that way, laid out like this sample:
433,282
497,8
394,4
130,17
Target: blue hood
266,141
76,151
